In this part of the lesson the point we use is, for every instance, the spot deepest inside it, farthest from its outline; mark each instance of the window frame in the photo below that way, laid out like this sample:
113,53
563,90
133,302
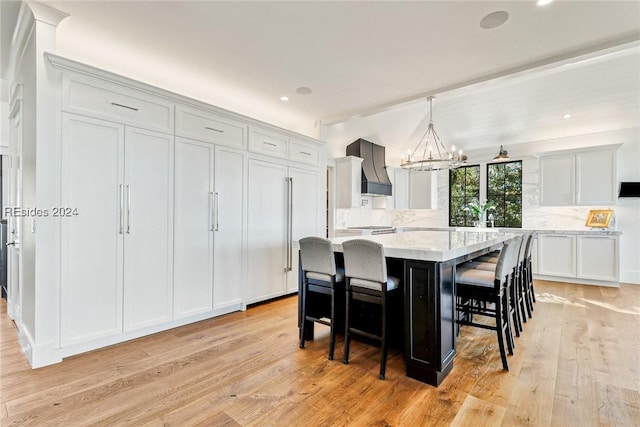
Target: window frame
468,222
504,196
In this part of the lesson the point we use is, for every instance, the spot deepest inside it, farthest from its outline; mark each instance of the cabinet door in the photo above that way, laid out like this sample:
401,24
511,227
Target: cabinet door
266,230
596,177
401,189
92,241
557,180
193,234
557,255
228,245
598,258
306,214
148,251
423,189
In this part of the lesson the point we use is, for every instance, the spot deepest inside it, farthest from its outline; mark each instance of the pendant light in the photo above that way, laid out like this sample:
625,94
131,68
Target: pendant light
430,153
502,155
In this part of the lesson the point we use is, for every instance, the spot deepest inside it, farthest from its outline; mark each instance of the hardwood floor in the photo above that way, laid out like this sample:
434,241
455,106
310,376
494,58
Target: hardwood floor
577,363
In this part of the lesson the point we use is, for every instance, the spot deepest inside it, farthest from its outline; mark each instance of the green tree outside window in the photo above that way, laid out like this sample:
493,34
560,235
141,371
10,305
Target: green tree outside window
504,190
464,188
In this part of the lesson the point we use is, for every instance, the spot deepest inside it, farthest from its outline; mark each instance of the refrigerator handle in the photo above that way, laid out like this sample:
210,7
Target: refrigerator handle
128,209
217,211
290,240
121,208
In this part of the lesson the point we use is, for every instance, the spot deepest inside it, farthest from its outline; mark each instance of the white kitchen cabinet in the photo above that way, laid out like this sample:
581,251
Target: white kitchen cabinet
208,228
193,242
423,189
201,125
116,253
267,228
148,243
100,99
598,258
596,182
557,180
535,260
578,258
92,242
348,182
228,249
306,215
585,178
284,204
400,188
557,255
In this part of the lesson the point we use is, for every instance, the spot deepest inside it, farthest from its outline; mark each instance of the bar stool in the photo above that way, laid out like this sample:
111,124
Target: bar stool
530,295
477,289
367,280
319,275
517,288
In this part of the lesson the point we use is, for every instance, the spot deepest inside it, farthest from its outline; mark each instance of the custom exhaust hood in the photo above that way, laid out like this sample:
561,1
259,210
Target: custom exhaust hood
375,180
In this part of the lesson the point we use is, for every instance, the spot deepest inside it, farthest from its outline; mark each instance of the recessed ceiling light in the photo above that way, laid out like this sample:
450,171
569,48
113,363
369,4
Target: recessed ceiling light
494,20
303,90
284,98
543,2
567,116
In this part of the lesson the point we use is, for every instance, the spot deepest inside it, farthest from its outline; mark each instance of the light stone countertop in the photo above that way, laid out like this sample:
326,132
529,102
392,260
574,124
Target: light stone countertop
605,232
441,245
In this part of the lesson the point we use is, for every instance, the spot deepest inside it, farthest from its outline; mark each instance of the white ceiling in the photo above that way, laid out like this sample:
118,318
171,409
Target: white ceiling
365,57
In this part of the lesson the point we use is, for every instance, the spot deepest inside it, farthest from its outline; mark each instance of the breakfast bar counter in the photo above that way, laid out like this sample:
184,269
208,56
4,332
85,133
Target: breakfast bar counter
425,261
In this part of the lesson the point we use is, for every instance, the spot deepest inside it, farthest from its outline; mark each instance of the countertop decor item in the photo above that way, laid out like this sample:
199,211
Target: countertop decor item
599,218
479,210
430,153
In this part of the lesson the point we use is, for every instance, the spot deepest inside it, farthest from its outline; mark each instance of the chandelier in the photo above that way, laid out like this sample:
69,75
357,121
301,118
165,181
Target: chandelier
430,153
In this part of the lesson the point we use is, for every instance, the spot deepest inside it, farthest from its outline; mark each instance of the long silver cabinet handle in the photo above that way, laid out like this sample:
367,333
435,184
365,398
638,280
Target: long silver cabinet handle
214,129
121,208
212,212
124,106
128,209
289,223
217,211
269,143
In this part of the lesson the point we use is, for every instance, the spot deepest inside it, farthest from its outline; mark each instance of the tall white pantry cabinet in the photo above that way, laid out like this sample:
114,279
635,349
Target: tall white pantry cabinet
182,210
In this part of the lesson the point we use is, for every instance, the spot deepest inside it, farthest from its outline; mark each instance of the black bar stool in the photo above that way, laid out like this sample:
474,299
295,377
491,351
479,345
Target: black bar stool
365,267
319,275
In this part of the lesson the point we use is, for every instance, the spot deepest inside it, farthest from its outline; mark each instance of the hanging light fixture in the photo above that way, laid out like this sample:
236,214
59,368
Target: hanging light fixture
430,153
502,155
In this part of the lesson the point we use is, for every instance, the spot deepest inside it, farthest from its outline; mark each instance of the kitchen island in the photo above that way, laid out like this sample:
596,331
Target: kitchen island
425,261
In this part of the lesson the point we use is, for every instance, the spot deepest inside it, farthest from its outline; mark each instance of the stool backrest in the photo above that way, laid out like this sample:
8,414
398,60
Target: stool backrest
508,258
364,259
529,247
523,247
316,254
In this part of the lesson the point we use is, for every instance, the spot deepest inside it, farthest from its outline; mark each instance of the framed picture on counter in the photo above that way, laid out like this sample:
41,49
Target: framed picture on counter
599,218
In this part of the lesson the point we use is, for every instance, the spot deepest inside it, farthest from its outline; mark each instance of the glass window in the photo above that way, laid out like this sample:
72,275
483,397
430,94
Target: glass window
504,189
464,188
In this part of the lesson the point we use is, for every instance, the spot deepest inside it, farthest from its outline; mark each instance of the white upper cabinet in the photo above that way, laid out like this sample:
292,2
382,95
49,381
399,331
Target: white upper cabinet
423,189
585,178
557,180
596,178
262,141
209,127
97,98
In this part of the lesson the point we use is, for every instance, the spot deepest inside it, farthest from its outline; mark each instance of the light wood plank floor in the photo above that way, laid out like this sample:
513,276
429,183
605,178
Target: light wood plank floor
576,364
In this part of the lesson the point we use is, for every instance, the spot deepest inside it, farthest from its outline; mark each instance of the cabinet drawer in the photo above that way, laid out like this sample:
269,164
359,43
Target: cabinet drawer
304,153
209,127
116,103
264,142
